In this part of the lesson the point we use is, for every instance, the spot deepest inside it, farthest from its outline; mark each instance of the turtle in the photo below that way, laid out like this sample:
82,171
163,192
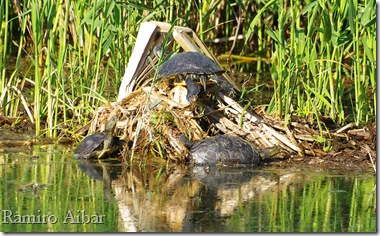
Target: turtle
226,150
195,67
100,144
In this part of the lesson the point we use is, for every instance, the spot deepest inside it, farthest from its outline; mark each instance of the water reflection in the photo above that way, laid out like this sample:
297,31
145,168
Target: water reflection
245,200
43,190
160,198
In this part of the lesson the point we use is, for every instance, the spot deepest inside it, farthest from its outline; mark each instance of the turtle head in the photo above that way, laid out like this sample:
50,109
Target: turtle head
269,152
108,132
185,141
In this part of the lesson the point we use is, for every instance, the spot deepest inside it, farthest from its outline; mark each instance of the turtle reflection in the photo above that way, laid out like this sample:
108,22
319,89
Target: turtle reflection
175,198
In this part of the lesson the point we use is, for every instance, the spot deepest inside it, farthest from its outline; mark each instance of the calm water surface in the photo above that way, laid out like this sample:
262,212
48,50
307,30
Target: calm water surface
46,190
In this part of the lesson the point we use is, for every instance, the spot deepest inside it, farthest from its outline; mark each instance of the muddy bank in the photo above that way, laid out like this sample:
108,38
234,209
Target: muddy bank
353,152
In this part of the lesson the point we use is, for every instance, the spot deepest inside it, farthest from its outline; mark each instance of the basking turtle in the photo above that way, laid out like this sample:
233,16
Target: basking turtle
195,67
100,144
226,150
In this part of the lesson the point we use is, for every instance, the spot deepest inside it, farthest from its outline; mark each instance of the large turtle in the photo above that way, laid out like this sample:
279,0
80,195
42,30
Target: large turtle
195,67
100,144
226,150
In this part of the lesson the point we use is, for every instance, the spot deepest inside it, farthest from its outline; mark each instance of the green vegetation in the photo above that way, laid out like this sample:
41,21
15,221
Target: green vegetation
319,49
68,57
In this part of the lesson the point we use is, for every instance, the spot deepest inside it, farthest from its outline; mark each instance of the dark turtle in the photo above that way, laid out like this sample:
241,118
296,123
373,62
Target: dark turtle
226,150
194,66
100,144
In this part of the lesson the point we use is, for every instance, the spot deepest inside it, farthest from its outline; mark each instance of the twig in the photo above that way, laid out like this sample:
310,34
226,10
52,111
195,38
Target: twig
238,19
368,150
350,125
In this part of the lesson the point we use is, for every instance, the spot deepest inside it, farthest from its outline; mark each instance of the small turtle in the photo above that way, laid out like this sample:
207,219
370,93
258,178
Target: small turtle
195,67
225,149
100,144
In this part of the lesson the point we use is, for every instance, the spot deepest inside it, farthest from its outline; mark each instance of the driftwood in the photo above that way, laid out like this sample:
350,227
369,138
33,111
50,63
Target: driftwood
153,112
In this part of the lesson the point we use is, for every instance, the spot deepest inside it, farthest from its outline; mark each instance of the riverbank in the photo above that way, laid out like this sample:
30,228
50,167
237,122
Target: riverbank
353,151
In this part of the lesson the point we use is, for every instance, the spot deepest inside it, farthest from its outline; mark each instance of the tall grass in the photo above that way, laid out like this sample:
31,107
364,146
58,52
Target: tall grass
79,48
320,47
78,51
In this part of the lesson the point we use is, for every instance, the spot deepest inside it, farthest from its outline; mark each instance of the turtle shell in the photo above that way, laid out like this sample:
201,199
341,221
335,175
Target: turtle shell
224,149
90,146
189,63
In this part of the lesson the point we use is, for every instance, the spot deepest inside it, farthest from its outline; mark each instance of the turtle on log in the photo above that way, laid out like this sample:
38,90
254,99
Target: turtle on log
100,145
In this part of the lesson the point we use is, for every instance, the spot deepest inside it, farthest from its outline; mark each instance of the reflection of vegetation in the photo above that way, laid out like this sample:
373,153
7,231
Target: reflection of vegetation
78,48
327,204
65,189
246,201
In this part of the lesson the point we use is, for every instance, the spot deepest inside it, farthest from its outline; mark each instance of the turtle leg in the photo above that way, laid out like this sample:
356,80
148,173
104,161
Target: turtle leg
225,86
193,88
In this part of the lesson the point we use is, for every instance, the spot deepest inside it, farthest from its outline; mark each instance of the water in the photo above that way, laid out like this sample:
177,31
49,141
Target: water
44,191
65,195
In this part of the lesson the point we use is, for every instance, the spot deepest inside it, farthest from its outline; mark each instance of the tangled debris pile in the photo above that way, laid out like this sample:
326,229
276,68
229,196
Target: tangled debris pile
153,111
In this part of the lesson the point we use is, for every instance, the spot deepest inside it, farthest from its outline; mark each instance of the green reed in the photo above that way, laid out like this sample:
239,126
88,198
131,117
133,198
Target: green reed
319,47
72,59
3,41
